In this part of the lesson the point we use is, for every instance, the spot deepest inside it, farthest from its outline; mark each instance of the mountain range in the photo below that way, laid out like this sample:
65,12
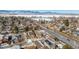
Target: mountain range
73,12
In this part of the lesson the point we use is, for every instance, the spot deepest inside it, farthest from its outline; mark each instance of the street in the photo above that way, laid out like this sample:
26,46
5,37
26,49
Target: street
61,37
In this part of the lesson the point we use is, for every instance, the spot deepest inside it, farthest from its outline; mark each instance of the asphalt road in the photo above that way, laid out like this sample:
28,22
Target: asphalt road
71,42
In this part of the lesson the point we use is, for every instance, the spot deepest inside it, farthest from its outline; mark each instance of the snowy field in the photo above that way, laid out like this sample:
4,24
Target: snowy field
39,15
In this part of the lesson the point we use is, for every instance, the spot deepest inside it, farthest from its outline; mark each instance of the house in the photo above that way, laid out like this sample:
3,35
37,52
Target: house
15,47
76,32
39,44
28,44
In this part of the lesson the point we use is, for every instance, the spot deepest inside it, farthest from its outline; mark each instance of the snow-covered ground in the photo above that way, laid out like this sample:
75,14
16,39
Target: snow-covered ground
39,15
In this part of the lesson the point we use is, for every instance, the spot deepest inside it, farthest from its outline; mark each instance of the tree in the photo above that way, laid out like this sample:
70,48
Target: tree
15,29
56,39
67,46
66,22
26,28
62,28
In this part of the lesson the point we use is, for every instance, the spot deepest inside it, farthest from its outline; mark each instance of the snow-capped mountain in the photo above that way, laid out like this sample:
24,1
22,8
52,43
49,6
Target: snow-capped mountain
39,12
